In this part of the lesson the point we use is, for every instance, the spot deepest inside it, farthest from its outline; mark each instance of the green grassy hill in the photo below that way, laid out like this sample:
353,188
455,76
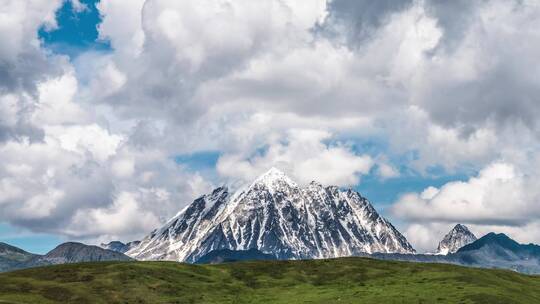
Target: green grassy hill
347,280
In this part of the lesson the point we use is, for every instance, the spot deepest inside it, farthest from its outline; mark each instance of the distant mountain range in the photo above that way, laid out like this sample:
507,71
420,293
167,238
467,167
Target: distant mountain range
70,252
276,216
499,251
490,251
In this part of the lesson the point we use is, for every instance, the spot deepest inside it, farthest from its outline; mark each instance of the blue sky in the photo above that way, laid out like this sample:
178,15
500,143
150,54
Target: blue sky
76,32
31,242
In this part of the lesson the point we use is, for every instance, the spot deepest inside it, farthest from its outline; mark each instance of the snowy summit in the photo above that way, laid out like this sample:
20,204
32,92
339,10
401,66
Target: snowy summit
458,237
278,217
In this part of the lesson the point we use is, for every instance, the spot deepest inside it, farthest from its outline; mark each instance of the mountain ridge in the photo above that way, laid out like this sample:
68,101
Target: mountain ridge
274,215
11,256
490,251
456,238
500,251
119,246
73,252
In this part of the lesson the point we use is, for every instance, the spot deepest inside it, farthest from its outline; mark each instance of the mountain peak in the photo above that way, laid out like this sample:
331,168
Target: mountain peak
276,216
274,177
8,249
460,227
497,239
458,237
272,173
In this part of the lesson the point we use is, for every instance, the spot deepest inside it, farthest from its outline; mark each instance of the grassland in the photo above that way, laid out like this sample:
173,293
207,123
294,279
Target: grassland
347,280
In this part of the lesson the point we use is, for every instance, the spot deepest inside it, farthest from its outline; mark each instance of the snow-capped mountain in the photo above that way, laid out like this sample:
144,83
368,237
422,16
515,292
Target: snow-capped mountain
275,216
458,237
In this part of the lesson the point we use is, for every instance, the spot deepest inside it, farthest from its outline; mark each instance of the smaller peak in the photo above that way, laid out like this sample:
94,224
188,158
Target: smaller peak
70,243
457,238
462,229
496,236
493,238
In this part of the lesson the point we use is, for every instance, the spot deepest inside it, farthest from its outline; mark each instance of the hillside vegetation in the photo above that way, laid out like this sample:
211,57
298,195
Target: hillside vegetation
345,280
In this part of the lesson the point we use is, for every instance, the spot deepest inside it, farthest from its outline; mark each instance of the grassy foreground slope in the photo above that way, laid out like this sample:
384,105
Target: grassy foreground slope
346,280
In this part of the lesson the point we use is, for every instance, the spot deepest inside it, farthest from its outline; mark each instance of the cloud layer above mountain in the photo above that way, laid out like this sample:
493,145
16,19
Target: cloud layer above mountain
89,142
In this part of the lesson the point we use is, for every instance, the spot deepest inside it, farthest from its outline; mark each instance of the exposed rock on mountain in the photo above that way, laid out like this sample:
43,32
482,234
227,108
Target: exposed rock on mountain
119,246
278,217
458,237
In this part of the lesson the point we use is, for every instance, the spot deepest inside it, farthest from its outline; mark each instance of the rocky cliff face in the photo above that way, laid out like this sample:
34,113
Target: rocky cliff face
278,217
119,246
458,237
